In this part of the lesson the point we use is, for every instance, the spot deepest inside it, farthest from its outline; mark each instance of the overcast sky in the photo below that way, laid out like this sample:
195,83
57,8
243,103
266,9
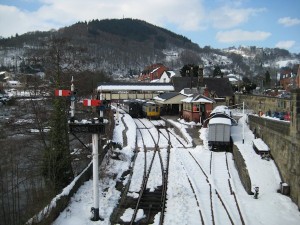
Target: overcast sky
216,23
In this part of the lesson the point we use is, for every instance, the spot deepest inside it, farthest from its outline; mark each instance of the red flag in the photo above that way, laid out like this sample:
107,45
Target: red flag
62,93
91,102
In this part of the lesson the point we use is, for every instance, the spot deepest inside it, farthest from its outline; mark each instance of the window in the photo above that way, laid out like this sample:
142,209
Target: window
196,108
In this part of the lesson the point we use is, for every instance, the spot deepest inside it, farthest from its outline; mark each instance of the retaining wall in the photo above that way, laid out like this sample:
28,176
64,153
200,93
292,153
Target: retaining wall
282,137
242,169
285,152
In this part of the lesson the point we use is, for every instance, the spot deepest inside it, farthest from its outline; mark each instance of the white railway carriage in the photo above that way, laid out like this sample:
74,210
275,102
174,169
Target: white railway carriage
219,131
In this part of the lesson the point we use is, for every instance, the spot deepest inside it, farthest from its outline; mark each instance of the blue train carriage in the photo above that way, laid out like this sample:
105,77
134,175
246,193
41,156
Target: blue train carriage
151,110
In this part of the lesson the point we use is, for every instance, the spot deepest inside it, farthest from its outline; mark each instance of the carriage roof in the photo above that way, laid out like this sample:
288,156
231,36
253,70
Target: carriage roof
220,120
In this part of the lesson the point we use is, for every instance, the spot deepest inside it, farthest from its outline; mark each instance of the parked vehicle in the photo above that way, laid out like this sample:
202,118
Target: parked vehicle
133,108
219,133
151,110
219,128
141,108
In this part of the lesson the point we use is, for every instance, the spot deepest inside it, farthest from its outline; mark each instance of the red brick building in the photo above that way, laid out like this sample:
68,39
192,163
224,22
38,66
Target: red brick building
289,78
197,108
153,72
298,78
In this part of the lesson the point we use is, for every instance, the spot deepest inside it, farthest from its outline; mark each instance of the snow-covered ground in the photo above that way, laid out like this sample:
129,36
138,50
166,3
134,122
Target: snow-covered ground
186,205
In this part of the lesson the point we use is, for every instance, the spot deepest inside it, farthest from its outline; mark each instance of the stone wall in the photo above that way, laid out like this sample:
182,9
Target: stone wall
242,169
264,103
284,151
282,137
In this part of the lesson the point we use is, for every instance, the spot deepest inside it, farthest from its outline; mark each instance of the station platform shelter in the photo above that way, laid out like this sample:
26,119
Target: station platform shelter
114,91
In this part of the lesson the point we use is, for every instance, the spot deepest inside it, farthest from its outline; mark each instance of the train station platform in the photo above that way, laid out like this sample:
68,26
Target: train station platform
193,131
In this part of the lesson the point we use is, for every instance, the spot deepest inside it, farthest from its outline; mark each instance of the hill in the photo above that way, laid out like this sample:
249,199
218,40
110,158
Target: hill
123,47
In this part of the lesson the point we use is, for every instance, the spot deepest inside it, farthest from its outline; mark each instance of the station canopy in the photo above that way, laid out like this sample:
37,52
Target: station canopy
111,87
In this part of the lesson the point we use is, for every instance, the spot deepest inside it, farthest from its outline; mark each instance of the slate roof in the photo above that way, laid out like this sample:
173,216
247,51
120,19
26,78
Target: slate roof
183,82
189,92
168,95
198,98
221,86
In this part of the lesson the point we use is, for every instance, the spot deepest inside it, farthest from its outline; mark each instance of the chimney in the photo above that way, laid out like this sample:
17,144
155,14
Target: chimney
200,76
206,92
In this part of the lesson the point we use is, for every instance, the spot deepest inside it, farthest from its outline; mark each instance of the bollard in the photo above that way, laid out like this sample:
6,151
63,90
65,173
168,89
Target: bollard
256,189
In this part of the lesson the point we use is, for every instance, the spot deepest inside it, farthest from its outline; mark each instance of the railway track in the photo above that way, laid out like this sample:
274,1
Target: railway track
148,204
224,206
145,203
168,133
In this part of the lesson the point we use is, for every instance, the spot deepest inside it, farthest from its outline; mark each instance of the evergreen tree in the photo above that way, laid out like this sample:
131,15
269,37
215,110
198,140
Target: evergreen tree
188,70
57,167
267,78
217,72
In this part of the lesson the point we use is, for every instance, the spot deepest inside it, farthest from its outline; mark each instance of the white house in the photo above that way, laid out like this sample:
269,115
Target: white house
13,84
166,76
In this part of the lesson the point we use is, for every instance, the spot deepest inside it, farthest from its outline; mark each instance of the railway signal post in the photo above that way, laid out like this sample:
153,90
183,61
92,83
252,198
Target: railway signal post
72,108
96,127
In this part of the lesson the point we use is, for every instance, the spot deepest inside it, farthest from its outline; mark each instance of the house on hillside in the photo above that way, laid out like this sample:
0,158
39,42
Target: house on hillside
234,79
7,81
152,72
13,84
287,78
166,76
297,80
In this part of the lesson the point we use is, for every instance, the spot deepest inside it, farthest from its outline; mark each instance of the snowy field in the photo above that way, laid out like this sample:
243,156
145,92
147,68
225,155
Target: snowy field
197,177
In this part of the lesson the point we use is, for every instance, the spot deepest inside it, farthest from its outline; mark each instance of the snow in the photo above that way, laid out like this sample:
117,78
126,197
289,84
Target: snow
188,100
220,120
141,87
186,205
284,63
221,109
260,144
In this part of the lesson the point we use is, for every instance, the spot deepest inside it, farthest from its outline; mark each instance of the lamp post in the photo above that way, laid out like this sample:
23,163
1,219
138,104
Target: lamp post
243,132
244,122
